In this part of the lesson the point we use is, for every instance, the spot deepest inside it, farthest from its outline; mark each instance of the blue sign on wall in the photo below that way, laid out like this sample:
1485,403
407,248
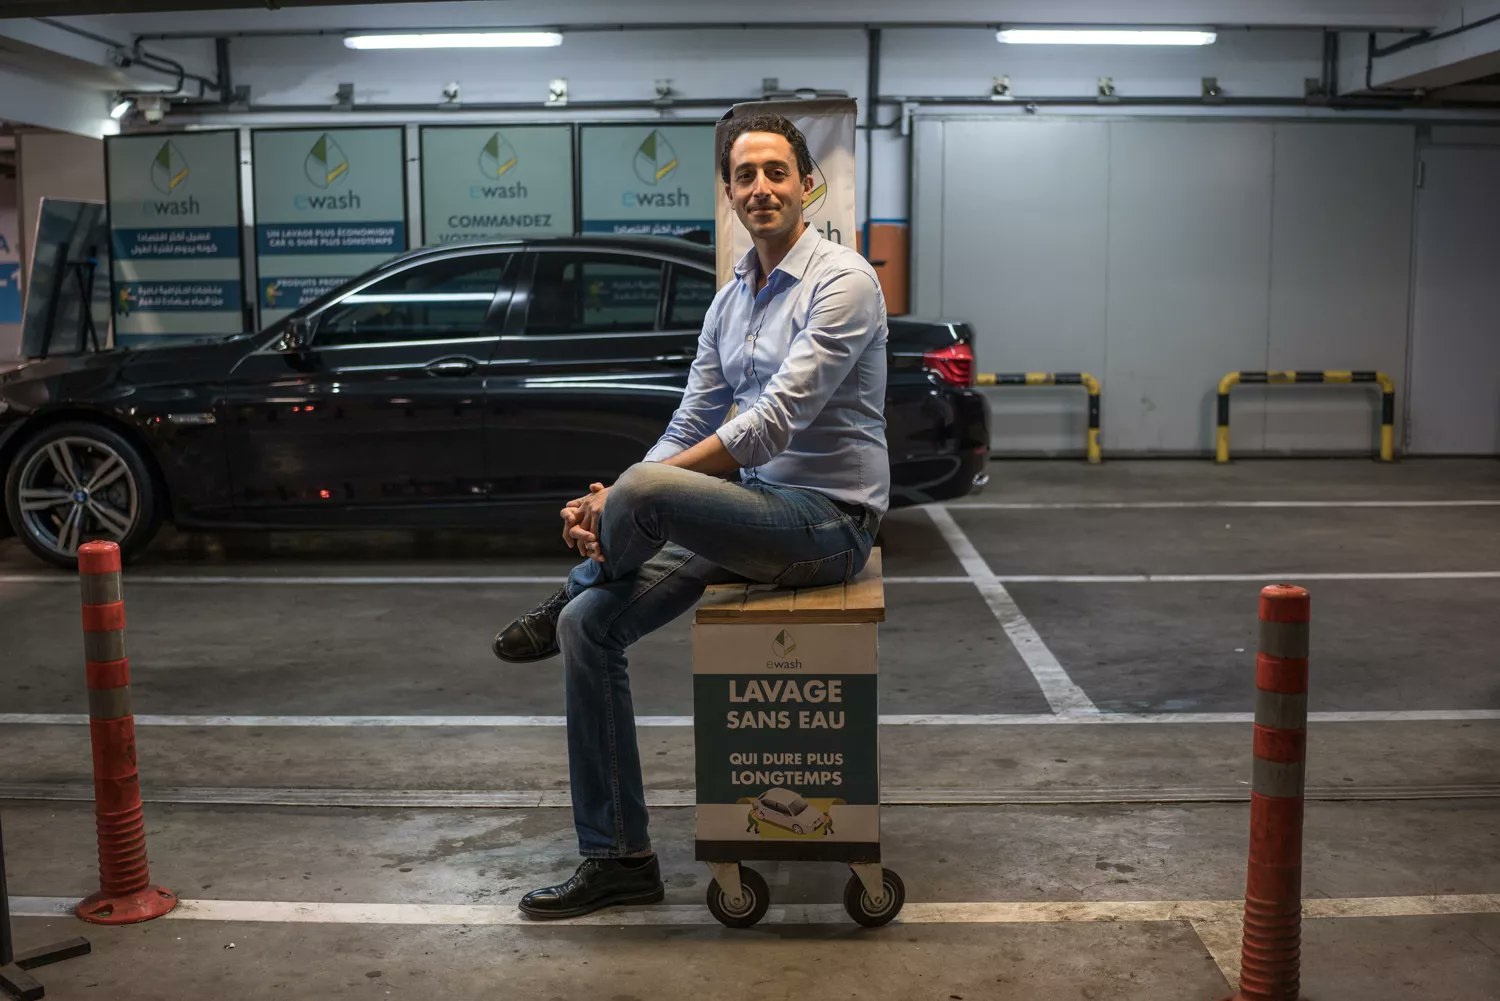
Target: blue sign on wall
650,180
329,204
10,292
174,217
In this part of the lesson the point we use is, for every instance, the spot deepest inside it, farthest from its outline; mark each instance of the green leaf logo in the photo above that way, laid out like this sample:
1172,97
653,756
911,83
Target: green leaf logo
813,200
168,168
655,158
497,157
326,163
783,644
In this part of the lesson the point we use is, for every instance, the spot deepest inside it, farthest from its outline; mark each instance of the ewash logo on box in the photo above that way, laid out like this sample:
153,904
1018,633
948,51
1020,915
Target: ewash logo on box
169,174
326,166
782,646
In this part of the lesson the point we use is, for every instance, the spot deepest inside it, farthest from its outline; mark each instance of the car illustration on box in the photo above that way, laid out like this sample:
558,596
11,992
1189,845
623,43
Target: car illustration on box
785,809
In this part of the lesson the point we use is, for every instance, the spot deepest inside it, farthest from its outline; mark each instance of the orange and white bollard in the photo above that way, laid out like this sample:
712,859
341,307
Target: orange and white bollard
125,892
1271,959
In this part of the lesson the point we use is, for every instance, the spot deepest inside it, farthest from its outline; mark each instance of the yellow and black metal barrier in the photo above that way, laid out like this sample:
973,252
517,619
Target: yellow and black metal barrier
1054,379
1387,400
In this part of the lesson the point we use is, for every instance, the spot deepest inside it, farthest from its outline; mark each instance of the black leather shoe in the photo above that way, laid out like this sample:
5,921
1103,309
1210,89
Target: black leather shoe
597,883
533,636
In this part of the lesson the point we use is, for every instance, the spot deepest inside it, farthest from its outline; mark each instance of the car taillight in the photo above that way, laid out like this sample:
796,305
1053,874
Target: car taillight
953,364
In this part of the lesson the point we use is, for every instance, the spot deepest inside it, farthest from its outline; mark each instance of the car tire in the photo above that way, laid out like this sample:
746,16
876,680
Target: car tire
100,487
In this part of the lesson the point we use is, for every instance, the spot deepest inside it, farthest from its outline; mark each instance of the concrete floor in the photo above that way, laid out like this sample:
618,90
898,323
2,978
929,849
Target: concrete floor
1045,857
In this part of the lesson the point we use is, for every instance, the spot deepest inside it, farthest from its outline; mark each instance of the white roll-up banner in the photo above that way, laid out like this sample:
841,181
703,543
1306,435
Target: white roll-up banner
828,125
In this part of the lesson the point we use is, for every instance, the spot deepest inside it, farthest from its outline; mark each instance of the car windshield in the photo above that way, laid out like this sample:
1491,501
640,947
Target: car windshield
796,806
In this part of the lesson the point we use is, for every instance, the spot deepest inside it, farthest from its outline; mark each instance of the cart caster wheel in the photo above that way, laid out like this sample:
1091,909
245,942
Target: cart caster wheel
755,899
873,914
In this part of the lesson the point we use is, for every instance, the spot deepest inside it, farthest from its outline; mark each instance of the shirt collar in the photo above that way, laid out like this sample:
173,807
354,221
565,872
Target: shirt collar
793,265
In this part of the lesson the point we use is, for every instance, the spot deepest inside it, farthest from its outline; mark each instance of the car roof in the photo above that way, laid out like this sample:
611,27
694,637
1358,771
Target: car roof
657,246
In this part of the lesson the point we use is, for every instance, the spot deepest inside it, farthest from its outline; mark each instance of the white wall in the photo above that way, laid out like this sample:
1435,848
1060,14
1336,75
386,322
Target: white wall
1160,254
1455,378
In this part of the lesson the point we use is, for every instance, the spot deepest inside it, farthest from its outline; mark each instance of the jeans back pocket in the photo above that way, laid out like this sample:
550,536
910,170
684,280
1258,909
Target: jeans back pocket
833,569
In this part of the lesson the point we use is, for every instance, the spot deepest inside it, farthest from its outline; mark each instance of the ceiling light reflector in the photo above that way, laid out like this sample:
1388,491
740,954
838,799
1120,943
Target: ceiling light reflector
1104,36
457,40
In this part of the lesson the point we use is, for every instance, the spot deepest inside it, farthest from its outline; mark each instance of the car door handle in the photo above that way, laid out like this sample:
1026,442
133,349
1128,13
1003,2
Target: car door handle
451,366
673,359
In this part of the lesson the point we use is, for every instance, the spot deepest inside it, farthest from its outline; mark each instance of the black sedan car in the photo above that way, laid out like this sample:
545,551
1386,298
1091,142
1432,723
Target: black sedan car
438,390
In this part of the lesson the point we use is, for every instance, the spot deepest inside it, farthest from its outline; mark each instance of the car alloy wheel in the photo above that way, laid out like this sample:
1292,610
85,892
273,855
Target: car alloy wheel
75,489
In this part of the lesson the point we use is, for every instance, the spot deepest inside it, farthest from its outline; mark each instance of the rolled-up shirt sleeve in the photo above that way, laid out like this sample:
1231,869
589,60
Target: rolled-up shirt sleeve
706,400
844,316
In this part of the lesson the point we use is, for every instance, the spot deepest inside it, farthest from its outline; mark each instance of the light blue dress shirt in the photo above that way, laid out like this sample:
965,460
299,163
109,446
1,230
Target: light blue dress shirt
804,361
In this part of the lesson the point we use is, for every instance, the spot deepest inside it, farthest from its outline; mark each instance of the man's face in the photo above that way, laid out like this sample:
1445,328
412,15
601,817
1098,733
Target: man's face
764,185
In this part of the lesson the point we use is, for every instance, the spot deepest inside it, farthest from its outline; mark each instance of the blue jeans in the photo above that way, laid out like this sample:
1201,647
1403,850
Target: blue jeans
668,533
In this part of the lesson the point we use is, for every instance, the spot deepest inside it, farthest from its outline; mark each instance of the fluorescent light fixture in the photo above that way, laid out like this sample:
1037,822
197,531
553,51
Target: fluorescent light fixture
1104,36
119,107
457,40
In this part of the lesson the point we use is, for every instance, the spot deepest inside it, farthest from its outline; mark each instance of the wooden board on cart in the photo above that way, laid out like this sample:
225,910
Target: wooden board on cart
860,600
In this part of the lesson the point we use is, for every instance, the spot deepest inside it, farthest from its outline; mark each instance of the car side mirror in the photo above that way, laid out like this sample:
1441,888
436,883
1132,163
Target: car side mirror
296,336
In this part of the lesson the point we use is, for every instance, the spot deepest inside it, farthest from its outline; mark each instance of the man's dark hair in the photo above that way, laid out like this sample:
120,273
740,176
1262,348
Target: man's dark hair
775,124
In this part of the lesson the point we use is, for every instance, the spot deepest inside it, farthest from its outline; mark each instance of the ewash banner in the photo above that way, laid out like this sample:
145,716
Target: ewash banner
494,182
785,734
647,180
828,126
174,224
329,204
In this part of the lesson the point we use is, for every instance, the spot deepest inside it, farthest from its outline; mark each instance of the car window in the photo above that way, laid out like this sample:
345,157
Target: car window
796,806
593,293
691,294
432,301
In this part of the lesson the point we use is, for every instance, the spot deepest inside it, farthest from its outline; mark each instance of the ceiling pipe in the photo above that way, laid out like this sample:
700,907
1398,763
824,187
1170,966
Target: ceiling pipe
716,105
133,54
850,26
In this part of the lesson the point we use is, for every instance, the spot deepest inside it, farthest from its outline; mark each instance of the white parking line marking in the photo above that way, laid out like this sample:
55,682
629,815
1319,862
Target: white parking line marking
388,581
1180,505
981,912
1094,718
1224,940
1244,578
196,579
1059,690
